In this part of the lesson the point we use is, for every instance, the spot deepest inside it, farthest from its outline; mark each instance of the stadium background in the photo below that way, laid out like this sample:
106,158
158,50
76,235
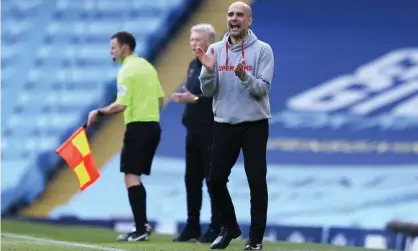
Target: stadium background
343,146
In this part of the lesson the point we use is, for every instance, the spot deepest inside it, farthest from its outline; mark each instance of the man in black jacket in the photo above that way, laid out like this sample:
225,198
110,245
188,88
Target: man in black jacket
198,120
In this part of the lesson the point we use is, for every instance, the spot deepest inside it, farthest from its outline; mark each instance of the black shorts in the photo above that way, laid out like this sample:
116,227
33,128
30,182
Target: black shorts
139,146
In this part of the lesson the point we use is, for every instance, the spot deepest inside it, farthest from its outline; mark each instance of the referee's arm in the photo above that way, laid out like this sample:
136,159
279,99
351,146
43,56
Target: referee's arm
161,103
160,97
122,100
112,109
116,107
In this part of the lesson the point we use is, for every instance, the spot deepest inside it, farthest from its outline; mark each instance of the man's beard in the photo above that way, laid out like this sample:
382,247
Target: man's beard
240,35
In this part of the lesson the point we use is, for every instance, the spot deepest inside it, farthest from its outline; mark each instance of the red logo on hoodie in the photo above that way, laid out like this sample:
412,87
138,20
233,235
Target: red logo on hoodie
227,67
232,68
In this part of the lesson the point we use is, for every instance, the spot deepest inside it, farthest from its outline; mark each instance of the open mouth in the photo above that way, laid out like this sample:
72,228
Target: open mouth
234,27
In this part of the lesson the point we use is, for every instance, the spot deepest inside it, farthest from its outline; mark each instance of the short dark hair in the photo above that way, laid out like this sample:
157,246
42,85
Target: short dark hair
124,37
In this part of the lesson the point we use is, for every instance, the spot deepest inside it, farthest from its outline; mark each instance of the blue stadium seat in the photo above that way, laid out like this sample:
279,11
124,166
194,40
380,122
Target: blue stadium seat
56,70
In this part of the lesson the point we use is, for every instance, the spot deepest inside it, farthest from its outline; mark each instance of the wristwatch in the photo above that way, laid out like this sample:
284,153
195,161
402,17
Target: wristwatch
196,98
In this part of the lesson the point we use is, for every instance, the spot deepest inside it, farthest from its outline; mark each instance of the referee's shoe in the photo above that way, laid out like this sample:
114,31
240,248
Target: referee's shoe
251,245
133,235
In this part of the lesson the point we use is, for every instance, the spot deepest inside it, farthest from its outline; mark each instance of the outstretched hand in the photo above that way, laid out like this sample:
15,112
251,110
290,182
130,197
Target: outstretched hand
184,97
208,61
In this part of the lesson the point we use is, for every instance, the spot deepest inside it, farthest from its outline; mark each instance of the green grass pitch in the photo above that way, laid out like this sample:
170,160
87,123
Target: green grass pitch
26,236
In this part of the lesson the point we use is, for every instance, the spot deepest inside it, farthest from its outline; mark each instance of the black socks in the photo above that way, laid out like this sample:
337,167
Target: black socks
137,198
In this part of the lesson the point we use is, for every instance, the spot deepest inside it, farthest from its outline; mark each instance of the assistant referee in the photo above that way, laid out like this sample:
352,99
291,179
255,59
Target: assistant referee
140,98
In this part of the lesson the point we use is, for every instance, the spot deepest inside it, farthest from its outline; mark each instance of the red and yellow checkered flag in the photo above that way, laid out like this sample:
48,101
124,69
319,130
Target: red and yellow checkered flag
76,152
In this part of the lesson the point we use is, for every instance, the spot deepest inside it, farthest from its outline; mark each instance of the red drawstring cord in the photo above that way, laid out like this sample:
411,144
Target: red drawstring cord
227,48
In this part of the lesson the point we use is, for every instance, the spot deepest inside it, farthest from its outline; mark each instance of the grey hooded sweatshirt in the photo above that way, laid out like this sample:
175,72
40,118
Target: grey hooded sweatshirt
236,101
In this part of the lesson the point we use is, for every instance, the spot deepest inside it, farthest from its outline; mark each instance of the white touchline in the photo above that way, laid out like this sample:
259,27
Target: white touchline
66,243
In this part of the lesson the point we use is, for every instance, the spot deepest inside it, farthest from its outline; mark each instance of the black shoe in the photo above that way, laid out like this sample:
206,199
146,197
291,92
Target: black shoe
148,228
209,237
138,236
125,236
225,237
189,234
251,245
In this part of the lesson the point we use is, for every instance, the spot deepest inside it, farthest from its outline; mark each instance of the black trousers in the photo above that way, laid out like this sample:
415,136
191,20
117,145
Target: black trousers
251,137
198,154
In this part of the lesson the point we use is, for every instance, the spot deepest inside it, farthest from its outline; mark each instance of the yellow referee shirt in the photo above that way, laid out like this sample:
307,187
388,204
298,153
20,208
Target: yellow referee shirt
139,89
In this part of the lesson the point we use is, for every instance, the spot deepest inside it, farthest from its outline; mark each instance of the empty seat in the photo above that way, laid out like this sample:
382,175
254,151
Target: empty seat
70,15
67,85
12,171
161,4
17,28
11,50
58,81
61,74
31,125
75,98
27,5
98,51
93,52
6,74
142,26
41,143
13,148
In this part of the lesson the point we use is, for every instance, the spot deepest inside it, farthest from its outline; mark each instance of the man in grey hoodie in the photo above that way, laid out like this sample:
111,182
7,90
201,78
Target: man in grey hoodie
238,73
